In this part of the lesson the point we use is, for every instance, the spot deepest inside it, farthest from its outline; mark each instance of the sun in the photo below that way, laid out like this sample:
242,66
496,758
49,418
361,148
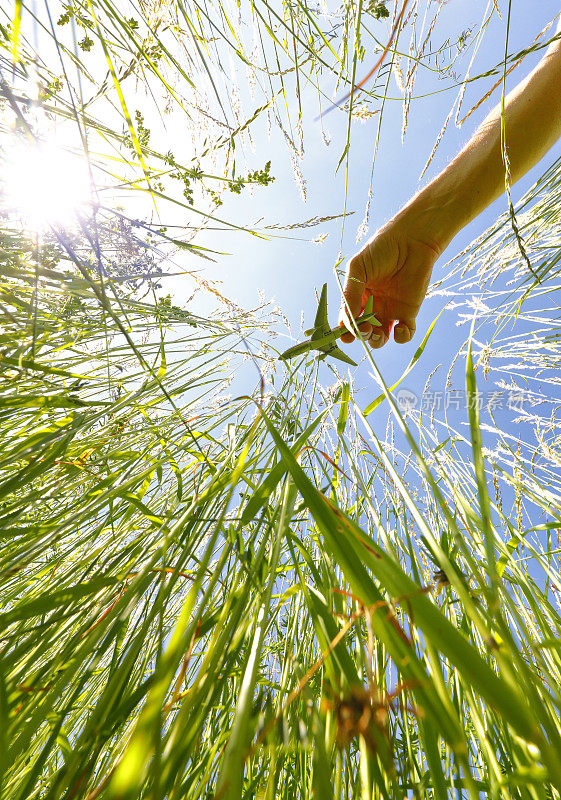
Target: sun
44,184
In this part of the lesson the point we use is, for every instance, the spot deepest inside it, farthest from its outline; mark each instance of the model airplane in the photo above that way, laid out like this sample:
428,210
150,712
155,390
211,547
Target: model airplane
323,338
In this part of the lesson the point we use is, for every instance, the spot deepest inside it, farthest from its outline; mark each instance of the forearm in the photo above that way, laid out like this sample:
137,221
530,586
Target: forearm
476,177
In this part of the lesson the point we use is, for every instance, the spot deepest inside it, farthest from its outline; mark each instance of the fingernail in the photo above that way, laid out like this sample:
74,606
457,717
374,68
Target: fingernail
375,337
400,330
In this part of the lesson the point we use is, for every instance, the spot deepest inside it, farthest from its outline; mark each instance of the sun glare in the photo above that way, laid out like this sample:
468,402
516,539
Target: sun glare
44,185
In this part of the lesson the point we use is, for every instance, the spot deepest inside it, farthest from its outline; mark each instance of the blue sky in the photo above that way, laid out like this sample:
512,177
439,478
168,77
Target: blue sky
287,267
290,270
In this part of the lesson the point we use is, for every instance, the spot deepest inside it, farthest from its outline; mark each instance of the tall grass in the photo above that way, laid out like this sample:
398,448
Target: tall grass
257,595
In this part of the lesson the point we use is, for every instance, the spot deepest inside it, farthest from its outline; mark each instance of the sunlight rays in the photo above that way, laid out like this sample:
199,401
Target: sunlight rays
44,184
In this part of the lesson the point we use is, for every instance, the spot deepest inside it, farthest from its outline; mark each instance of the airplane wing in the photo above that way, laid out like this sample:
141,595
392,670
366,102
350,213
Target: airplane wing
321,325
323,337
336,352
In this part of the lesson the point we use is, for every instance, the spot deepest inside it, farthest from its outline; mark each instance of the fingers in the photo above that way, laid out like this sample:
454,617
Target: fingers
365,330
404,330
353,294
389,302
381,333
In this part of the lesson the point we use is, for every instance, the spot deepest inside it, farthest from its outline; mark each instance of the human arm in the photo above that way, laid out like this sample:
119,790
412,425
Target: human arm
396,263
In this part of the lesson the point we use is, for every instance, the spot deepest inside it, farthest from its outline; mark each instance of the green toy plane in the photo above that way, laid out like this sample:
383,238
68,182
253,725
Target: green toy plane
323,337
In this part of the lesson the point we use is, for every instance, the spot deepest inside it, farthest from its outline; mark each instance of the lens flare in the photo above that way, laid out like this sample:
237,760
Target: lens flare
44,185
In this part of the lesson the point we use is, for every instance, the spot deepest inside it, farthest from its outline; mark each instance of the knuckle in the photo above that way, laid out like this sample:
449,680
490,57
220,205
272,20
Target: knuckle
356,266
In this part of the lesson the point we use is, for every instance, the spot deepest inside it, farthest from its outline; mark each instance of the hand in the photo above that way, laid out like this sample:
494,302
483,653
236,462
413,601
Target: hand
395,268
396,264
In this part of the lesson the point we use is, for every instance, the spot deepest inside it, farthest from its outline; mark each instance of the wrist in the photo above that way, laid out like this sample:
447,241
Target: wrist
434,216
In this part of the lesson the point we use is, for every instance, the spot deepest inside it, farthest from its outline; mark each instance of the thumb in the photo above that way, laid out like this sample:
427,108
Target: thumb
353,293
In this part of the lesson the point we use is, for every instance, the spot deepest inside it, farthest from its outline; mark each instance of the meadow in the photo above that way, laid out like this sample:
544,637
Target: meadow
224,575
